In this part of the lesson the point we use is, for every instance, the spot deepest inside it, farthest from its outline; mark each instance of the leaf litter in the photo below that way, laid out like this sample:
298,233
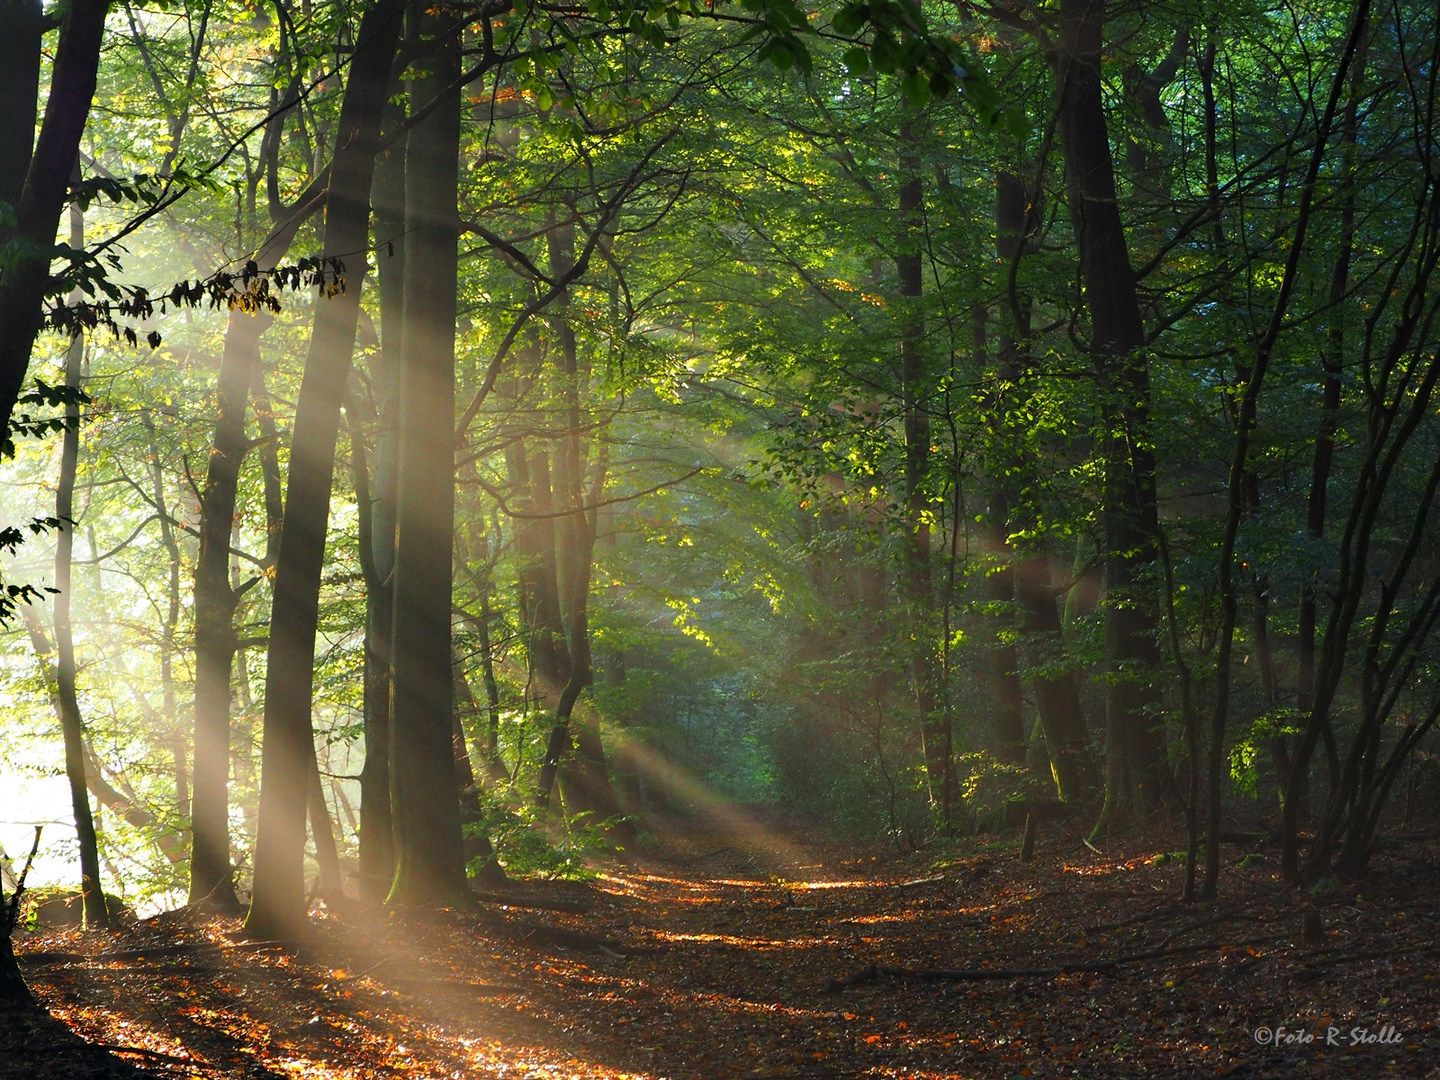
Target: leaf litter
818,963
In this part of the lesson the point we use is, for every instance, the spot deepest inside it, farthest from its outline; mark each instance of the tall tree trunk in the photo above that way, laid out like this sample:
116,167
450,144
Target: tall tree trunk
1057,695
1332,360
376,494
1135,773
429,862
1007,694
935,730
216,597
540,584
1253,380
574,554
1041,644
24,22
170,623
43,194
211,874
71,725
278,904
330,884
122,803
494,765
476,845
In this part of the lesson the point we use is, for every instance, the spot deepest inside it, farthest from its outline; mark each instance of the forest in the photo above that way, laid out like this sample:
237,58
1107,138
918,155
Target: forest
719,538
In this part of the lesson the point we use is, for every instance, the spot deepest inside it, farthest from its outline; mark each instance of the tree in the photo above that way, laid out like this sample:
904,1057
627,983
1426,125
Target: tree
27,243
277,906
425,802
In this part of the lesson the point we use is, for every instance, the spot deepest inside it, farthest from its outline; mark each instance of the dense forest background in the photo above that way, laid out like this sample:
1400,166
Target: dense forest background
489,431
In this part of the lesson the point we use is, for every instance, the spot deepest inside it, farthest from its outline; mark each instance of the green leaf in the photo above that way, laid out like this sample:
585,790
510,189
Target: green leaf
916,89
850,19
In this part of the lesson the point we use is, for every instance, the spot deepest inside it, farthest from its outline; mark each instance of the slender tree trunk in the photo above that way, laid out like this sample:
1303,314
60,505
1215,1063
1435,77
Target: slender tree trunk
1007,695
377,501
1332,359
429,862
476,845
1253,381
1041,635
123,803
96,913
540,585
1057,695
935,730
211,874
44,193
493,763
330,884
271,481
216,597
278,905
574,554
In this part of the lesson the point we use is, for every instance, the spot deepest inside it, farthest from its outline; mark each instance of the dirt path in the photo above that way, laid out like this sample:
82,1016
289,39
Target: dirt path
713,963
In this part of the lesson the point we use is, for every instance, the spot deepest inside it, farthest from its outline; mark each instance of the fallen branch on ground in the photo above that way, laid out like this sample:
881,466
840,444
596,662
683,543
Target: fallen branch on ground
877,971
920,881
188,1062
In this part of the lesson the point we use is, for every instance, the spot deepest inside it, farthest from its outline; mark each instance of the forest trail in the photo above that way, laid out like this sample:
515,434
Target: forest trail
703,959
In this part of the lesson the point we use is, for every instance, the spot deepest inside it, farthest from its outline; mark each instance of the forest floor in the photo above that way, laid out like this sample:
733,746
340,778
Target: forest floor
715,956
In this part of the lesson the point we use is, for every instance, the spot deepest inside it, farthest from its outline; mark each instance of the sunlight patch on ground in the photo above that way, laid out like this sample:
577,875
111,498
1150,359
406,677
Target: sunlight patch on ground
662,880
120,1033
834,885
908,916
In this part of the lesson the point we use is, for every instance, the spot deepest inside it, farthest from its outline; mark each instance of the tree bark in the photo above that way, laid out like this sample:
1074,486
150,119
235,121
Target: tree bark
589,787
539,584
125,804
1057,696
278,904
1007,694
216,597
93,895
935,730
43,194
1253,381
375,493
1026,579
1332,359
429,854
1135,774
211,873
330,884
24,22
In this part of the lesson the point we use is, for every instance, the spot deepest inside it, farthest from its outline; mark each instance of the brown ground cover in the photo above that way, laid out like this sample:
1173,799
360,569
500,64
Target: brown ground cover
715,959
